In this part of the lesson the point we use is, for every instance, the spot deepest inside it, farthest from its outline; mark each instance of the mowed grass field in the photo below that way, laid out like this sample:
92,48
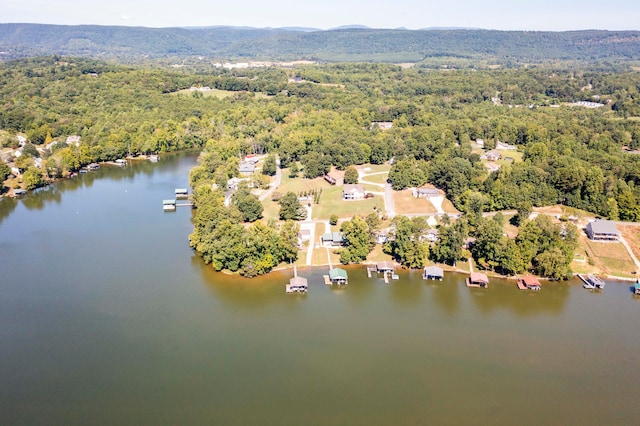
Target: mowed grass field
406,203
610,257
331,203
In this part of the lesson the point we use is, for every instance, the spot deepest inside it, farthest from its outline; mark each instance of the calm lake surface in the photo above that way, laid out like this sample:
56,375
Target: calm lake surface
107,317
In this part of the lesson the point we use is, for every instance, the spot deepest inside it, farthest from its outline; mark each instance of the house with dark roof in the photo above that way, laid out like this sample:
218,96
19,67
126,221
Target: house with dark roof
426,192
603,230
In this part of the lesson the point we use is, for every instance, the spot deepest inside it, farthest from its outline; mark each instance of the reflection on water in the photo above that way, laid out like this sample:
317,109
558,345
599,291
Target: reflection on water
108,317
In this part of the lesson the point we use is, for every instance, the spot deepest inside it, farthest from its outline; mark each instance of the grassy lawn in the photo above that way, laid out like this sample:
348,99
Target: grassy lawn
632,235
406,203
377,255
372,188
508,228
516,155
448,207
220,94
380,179
331,203
611,258
375,168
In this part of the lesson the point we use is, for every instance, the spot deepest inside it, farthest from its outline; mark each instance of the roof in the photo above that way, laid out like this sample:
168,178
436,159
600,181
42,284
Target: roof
246,167
333,236
353,187
478,277
433,271
493,152
428,191
530,280
603,227
298,281
384,265
337,273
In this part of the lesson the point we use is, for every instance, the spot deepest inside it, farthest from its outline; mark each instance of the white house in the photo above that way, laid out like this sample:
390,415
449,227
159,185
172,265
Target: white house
353,192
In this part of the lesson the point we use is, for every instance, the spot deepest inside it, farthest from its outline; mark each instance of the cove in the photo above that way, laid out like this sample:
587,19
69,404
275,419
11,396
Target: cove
107,317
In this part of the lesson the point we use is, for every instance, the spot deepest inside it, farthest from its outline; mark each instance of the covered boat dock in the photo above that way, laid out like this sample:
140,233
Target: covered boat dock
477,279
432,273
528,282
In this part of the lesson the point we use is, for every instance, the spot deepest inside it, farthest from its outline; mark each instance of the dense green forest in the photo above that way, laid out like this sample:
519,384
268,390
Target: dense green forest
572,155
444,47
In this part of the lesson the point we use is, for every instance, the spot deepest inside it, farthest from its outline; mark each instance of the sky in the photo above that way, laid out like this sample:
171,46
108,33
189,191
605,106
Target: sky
535,15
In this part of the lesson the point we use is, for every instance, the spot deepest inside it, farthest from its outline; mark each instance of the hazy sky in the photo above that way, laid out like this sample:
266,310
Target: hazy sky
554,15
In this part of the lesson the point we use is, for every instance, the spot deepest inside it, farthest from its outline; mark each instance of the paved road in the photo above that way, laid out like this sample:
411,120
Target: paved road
389,203
276,182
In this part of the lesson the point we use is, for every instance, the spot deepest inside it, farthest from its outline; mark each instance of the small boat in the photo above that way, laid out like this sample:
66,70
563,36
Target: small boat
395,277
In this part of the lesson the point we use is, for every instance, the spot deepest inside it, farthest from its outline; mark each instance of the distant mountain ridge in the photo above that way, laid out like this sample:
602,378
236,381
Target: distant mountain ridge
342,44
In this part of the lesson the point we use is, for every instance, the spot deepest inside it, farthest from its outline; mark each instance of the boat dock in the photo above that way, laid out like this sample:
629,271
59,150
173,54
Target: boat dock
168,205
182,193
297,284
591,282
528,282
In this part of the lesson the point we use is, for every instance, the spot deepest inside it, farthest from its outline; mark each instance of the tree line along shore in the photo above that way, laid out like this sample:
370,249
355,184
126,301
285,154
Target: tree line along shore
507,140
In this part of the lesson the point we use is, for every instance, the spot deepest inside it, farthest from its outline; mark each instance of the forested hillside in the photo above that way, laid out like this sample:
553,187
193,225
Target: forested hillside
318,117
453,47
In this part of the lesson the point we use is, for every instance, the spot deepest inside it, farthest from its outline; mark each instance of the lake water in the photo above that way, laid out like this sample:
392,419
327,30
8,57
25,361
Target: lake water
107,317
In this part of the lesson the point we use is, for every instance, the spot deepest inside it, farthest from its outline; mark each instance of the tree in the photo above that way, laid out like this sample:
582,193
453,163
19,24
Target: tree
489,244
30,150
407,246
357,241
294,170
288,244
552,263
249,205
448,248
333,219
5,171
351,175
32,178
290,208
269,167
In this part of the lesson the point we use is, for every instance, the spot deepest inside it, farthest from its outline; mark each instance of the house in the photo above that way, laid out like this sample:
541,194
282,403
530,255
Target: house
528,282
493,155
431,235
232,184
426,193
21,140
382,125
382,236
246,168
330,179
502,145
304,236
432,273
338,276
332,239
73,140
480,142
385,267
477,279
603,230
353,192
